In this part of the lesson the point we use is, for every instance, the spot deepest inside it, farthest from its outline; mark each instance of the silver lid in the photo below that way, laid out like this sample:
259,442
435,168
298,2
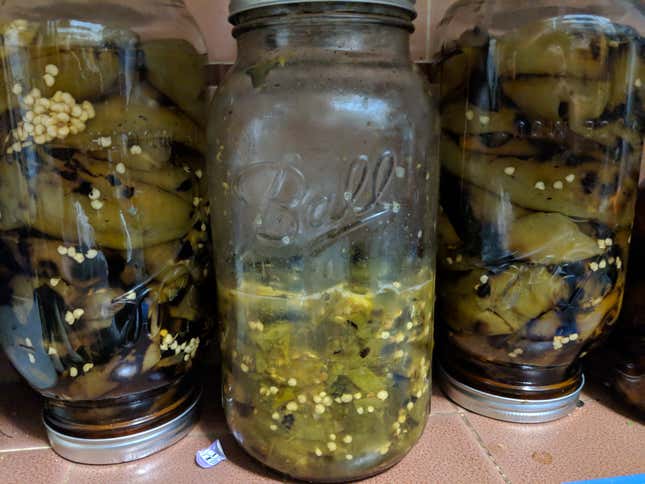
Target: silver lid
239,6
123,449
508,409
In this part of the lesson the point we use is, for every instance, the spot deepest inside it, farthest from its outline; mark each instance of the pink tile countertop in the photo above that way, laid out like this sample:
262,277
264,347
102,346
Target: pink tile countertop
598,440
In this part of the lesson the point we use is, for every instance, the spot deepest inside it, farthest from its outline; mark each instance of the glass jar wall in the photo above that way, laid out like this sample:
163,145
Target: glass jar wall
543,112
104,215
620,364
323,175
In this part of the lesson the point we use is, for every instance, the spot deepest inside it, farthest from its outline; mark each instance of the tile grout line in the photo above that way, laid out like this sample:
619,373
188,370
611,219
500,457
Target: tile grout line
480,441
26,449
441,414
66,477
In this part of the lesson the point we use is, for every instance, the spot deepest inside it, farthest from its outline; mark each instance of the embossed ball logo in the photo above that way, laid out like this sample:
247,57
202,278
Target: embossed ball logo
285,207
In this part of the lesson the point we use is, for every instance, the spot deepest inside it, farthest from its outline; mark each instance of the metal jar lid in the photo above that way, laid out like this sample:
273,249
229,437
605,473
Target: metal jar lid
123,449
508,409
239,6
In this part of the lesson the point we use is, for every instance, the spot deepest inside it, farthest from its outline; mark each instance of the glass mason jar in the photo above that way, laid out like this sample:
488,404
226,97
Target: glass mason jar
104,221
620,364
543,112
321,168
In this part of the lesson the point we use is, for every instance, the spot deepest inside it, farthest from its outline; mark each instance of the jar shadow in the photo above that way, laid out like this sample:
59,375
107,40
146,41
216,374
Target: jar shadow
601,394
239,457
20,417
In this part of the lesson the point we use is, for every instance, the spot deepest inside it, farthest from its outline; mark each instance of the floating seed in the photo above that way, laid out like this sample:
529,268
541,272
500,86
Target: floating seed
69,318
509,170
52,70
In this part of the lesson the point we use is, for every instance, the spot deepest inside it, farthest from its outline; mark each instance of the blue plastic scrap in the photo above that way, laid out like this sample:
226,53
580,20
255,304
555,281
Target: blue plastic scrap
210,456
635,479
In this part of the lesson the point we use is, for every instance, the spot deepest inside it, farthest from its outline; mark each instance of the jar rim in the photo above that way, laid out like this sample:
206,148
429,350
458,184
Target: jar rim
239,6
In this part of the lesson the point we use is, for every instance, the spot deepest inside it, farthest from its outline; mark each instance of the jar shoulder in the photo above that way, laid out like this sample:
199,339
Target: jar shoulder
279,93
